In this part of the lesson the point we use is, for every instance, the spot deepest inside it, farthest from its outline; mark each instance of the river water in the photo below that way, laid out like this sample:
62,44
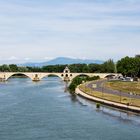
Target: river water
44,111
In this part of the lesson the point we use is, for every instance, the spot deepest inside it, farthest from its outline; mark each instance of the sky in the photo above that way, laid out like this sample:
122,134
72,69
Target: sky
40,30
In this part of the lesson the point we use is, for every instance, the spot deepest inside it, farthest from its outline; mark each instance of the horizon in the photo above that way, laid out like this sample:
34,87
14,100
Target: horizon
53,59
38,31
50,59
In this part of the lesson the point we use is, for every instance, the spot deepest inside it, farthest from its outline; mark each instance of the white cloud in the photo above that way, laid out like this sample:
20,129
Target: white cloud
27,58
12,58
48,58
80,29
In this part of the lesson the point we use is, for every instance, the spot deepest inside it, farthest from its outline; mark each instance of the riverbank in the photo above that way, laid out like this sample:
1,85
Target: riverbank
106,99
105,102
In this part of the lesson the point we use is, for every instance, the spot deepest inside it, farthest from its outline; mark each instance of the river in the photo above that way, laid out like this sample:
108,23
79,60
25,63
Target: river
44,111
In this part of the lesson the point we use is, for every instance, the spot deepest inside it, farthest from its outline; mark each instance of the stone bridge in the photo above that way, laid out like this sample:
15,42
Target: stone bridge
66,75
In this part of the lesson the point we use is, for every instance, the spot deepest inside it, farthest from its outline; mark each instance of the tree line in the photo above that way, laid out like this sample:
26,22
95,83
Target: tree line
107,66
128,66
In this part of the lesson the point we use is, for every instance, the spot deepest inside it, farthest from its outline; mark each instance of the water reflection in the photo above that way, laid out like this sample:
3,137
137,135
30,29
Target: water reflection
106,111
43,108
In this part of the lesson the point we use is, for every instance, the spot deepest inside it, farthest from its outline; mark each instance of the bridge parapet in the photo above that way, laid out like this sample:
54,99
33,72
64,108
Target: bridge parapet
66,75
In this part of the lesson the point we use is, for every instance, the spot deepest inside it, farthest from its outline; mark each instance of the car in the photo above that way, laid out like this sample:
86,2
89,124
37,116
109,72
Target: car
128,79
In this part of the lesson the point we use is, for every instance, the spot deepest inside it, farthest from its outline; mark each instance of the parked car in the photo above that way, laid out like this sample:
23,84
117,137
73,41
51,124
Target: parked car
128,79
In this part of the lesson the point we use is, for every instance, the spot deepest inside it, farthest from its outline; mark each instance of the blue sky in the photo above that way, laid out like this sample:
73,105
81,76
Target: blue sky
39,30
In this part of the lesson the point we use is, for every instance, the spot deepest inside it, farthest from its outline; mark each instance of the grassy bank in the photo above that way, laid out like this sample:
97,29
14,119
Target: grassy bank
79,80
127,87
110,97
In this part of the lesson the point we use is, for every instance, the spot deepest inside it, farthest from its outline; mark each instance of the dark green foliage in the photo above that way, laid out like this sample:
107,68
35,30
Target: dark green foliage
108,66
53,68
98,105
77,68
129,66
79,80
13,67
94,68
72,87
34,69
92,78
5,68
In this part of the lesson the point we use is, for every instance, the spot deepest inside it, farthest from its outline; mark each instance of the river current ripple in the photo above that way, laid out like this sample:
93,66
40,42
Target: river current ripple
44,111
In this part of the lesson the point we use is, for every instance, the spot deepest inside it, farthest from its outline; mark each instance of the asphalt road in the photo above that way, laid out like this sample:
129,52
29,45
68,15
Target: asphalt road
100,87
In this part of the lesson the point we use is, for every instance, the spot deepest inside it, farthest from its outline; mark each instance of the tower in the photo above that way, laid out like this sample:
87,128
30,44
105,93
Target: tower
66,70
66,74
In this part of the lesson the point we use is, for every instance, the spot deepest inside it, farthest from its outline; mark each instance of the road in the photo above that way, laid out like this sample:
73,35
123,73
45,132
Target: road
101,88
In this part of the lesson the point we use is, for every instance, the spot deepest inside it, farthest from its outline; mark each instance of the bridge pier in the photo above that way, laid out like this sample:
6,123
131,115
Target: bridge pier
2,80
36,78
66,75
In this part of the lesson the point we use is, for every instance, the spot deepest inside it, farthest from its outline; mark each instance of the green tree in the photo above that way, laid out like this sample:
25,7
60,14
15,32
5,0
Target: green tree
129,66
108,66
94,68
4,68
13,68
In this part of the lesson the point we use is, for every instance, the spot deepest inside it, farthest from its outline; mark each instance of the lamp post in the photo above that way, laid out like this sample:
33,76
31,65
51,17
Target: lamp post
94,86
130,94
120,96
83,82
102,90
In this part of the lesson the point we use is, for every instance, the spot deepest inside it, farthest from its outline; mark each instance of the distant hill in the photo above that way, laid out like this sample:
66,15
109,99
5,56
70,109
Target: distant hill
63,61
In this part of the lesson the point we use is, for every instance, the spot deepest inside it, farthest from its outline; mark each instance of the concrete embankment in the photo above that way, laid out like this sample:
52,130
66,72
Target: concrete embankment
106,102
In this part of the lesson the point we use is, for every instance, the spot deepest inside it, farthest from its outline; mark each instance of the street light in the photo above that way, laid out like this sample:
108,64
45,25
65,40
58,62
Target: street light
120,96
83,82
102,90
130,94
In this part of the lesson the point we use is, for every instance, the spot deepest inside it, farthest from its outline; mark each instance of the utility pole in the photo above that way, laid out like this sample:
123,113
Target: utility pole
115,68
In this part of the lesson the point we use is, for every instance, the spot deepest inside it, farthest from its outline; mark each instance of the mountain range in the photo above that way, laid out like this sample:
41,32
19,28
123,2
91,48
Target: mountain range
63,61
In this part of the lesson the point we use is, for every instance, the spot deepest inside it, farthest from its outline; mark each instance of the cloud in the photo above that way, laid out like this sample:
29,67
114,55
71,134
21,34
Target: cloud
48,58
27,58
12,58
77,28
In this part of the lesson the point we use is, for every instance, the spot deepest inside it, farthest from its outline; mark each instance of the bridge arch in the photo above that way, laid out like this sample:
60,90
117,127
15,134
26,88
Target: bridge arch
110,76
80,74
52,74
19,73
